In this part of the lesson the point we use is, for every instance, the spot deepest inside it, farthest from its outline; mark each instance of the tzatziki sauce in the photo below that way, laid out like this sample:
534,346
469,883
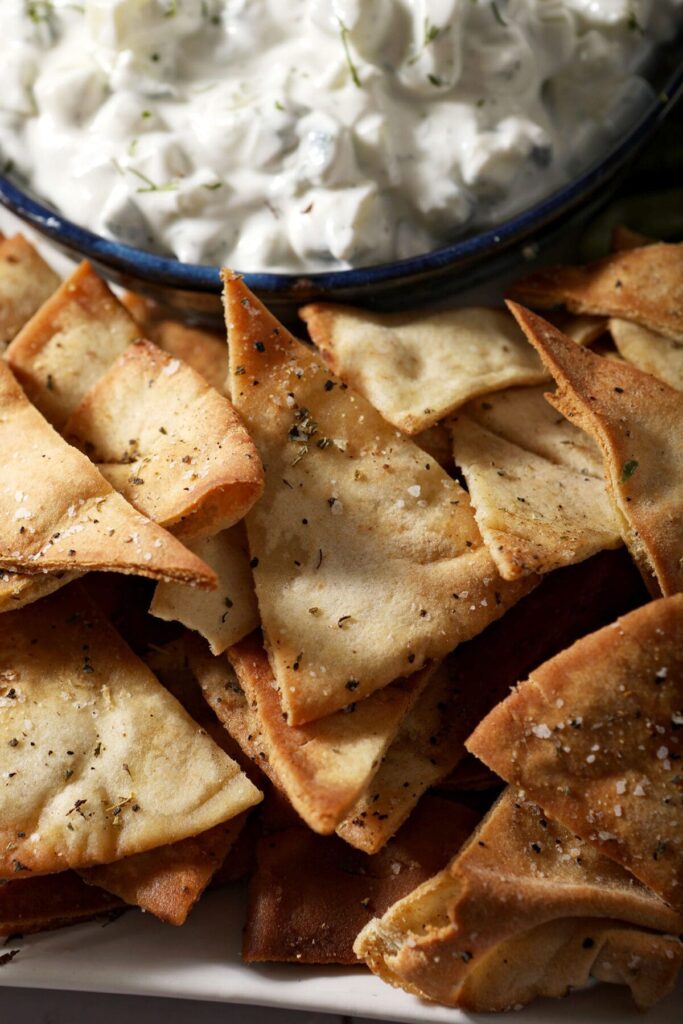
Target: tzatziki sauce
308,135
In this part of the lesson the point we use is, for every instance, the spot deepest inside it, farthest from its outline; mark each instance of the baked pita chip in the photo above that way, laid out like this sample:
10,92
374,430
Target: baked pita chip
519,870
92,745
311,895
205,352
168,881
475,677
30,905
26,282
536,483
564,955
367,558
69,343
638,423
322,767
594,735
169,443
644,284
58,513
650,352
416,368
222,616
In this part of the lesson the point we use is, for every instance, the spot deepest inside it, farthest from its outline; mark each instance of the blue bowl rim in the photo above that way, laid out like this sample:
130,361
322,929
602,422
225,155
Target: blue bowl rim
168,272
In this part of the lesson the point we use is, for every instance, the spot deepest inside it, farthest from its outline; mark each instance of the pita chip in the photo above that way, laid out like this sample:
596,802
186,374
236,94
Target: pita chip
416,368
644,285
38,904
222,616
638,423
560,956
536,483
367,558
311,895
69,343
594,736
169,443
168,881
205,352
430,742
519,870
323,766
91,745
58,513
653,353
26,282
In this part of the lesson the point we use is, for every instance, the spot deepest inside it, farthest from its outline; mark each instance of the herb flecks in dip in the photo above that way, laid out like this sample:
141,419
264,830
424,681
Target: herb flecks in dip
313,134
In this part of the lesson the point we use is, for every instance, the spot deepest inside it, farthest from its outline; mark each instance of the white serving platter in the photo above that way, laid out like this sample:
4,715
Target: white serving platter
138,955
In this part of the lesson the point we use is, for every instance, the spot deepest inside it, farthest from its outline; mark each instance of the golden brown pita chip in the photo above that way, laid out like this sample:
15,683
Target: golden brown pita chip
475,677
519,870
205,352
594,735
310,895
222,616
367,559
563,955
169,443
536,483
38,904
168,881
26,281
323,766
69,343
638,423
92,746
650,352
644,284
57,512
416,368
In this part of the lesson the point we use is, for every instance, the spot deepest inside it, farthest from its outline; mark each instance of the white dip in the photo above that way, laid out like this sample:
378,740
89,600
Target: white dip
313,134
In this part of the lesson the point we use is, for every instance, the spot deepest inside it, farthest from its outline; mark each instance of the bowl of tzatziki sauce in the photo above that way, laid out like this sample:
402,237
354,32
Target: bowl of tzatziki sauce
381,151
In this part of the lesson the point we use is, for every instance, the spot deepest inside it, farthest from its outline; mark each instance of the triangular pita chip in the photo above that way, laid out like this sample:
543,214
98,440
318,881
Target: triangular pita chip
322,767
222,616
638,423
99,761
555,958
644,284
69,343
168,442
475,677
57,512
26,281
416,368
594,735
205,352
653,353
30,905
310,895
518,871
367,559
168,881
536,483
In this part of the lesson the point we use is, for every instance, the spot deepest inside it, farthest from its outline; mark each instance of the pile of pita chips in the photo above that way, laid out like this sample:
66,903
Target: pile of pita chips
536,483
416,368
26,281
58,513
92,747
638,423
69,343
519,871
594,736
366,555
168,442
